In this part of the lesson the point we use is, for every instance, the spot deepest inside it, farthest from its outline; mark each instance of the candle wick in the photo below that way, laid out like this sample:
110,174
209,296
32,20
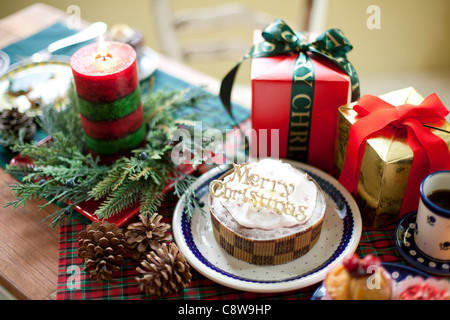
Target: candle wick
103,57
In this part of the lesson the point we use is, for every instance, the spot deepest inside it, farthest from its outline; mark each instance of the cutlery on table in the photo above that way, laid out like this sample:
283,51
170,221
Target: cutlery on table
94,30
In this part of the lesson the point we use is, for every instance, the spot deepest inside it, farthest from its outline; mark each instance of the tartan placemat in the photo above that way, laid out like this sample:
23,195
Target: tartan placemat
74,283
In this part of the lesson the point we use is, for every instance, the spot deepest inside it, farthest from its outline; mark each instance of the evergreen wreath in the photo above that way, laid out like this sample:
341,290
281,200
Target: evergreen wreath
63,172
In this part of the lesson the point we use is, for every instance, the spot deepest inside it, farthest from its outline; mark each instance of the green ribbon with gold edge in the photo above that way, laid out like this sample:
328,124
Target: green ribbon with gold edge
280,39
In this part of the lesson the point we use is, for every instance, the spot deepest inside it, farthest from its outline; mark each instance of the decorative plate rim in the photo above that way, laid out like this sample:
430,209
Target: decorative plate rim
147,64
62,62
418,259
4,62
184,239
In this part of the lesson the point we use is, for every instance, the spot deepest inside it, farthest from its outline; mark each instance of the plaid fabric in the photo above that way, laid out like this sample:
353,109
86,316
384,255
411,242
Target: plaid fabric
74,283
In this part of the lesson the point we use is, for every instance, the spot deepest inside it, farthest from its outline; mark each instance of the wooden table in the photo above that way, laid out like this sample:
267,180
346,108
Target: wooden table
28,246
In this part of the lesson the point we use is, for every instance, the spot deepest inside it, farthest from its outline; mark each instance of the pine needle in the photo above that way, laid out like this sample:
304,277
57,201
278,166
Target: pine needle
137,180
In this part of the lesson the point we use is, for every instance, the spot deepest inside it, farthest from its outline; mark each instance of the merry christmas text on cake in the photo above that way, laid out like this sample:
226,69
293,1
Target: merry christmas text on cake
265,193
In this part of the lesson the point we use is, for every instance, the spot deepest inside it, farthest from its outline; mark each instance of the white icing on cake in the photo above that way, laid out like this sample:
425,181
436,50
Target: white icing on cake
269,180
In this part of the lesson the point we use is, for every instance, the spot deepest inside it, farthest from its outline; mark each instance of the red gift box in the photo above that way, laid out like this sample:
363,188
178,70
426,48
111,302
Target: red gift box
303,136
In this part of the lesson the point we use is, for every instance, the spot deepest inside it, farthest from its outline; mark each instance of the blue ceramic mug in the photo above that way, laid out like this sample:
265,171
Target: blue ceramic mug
432,235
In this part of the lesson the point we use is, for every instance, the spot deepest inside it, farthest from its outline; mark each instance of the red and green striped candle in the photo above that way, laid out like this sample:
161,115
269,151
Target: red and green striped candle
107,86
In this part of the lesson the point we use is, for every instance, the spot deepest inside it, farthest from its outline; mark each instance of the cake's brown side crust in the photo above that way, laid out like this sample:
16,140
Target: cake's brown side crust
265,252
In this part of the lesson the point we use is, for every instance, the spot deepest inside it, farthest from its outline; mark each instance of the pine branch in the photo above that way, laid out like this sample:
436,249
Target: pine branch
139,179
54,164
183,187
10,138
122,198
63,118
109,181
151,199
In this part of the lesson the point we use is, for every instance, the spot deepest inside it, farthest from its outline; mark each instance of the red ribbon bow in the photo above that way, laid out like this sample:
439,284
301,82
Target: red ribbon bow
378,118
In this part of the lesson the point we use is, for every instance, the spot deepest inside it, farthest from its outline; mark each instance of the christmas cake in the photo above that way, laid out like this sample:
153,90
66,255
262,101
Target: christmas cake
266,212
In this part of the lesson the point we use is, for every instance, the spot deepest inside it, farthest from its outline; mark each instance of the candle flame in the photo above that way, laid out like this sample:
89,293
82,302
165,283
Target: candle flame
102,50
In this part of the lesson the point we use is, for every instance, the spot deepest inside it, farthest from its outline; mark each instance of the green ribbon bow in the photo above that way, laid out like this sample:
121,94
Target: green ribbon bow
280,39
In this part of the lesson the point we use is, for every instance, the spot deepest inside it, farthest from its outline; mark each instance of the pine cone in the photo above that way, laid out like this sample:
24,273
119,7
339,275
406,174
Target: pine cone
102,248
165,271
146,235
13,120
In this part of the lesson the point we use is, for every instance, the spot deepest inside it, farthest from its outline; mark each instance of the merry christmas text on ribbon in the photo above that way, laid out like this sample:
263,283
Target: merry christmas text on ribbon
279,39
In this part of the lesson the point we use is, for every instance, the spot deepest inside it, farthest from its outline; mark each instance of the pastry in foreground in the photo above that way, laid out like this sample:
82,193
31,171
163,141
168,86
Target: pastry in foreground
359,279
266,212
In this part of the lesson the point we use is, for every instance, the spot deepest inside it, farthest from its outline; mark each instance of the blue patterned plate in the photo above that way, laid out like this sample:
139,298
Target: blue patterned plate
4,62
147,63
30,85
404,240
341,232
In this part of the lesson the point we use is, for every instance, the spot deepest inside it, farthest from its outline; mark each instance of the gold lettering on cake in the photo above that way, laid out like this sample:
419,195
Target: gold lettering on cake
266,196
214,186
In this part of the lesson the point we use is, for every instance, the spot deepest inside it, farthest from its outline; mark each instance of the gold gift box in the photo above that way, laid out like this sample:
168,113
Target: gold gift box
386,163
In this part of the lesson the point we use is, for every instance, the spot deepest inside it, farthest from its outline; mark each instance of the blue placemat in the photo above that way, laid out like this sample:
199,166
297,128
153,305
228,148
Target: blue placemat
40,41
